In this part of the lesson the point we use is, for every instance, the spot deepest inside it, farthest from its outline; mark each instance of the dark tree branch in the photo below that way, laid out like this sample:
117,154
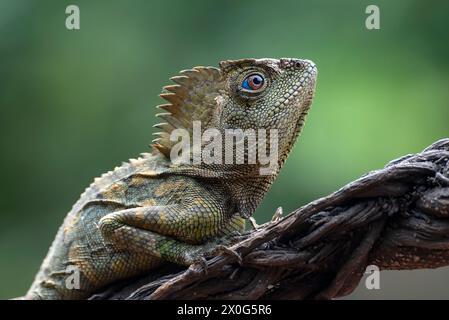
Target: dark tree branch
395,218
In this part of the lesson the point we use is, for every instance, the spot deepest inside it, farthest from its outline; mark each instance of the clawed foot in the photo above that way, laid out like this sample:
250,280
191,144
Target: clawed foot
198,262
221,249
253,223
277,215
199,265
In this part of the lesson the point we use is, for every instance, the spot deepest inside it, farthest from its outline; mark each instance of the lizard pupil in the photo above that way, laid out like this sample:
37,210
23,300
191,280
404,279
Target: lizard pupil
253,82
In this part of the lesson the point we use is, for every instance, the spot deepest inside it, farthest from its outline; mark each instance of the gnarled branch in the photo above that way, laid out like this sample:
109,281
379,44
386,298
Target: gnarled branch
395,218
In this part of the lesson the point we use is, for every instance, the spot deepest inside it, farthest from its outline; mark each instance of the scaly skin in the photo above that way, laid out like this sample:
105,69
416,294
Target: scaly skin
151,210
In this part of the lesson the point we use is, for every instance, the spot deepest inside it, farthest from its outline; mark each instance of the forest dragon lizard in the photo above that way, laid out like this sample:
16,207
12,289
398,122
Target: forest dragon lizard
154,209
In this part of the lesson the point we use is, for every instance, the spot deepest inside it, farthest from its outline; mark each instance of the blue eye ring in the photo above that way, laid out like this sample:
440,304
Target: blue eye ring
253,82
245,84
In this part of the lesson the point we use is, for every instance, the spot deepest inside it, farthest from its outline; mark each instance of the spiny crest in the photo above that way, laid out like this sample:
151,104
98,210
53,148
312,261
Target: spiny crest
191,98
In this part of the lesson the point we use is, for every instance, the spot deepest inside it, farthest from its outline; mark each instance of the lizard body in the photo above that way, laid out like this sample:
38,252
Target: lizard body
155,209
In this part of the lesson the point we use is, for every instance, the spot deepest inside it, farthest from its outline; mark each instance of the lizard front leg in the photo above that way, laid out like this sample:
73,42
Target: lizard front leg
172,233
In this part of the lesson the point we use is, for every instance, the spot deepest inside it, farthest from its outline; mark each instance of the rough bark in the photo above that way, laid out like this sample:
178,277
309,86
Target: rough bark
395,218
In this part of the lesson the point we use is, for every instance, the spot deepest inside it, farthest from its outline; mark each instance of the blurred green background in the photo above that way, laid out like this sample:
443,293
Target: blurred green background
73,104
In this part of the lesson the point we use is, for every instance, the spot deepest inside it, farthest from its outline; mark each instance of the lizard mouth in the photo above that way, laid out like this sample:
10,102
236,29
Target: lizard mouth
305,91
309,85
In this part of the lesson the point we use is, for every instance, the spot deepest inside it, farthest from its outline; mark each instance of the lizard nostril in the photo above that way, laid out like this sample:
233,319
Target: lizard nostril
298,64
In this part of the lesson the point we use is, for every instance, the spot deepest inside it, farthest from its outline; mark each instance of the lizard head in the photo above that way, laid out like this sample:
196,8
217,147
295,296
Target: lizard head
270,94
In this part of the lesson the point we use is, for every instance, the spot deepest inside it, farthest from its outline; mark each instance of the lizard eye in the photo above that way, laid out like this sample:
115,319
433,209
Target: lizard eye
253,82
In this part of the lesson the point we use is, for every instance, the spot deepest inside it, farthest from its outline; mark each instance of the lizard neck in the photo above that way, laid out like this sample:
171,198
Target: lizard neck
248,193
244,183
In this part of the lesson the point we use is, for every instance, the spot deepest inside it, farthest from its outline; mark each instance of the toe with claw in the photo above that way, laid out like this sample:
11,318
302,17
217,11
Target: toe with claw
277,215
221,249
